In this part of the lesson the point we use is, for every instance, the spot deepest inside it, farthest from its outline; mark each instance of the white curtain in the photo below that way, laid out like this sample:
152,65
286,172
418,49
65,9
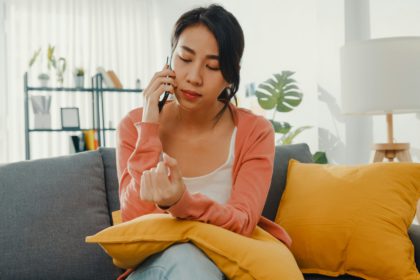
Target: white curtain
119,35
3,99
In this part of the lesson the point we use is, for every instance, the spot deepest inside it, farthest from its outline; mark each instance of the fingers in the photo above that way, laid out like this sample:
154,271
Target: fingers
157,187
145,187
173,167
163,81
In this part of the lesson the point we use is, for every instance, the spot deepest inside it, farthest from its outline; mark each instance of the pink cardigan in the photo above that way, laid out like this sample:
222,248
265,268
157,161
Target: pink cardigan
139,148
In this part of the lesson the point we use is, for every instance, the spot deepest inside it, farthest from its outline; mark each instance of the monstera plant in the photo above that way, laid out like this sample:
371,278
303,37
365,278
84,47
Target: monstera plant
282,94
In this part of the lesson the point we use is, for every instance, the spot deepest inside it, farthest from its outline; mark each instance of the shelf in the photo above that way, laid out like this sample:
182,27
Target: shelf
96,93
64,89
68,130
59,130
70,89
121,90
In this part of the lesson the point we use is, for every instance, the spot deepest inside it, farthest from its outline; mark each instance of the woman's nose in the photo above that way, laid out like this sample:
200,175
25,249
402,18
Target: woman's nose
195,76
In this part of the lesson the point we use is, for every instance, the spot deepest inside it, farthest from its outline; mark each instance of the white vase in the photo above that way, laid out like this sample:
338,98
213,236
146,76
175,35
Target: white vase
79,81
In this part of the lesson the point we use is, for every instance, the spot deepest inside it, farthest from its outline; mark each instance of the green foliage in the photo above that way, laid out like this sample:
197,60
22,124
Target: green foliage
34,57
79,71
51,60
320,157
50,57
281,93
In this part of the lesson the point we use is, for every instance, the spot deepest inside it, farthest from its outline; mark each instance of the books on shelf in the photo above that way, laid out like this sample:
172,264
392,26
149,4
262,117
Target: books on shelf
85,141
115,80
110,79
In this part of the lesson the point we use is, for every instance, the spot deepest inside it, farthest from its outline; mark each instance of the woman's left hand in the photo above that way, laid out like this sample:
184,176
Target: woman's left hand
161,187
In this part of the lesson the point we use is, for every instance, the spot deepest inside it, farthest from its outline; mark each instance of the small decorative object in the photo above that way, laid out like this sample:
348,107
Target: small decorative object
79,77
105,77
43,79
138,84
115,80
60,69
250,89
70,118
58,64
41,108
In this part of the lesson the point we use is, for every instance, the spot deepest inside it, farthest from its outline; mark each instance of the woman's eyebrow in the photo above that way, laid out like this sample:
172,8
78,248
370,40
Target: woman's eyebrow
209,56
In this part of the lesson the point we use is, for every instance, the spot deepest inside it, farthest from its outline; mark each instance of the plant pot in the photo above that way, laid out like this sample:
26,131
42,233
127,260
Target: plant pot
43,79
79,81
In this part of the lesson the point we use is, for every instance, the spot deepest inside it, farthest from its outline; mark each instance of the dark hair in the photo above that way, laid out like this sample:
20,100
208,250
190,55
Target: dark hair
230,40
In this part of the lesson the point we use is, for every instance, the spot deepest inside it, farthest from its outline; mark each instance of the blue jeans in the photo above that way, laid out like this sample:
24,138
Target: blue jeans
181,261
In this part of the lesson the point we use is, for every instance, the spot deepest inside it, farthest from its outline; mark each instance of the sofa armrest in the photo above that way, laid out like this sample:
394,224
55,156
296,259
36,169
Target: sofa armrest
414,233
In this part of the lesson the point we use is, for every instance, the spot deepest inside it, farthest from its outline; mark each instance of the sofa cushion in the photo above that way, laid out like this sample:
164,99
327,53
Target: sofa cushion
111,180
352,219
239,257
47,208
283,154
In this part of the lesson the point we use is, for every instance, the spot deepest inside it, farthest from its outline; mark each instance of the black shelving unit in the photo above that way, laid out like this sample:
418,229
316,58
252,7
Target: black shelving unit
98,113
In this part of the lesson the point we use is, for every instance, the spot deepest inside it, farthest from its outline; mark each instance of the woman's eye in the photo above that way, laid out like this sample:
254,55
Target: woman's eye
184,59
213,68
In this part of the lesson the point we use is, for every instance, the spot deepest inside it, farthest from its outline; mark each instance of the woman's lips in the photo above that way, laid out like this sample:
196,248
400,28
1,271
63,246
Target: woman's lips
190,95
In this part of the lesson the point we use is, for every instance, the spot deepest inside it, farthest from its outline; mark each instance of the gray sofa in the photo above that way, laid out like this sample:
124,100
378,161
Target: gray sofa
48,206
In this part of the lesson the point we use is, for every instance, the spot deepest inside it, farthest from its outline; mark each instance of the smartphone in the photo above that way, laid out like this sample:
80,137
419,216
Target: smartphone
166,94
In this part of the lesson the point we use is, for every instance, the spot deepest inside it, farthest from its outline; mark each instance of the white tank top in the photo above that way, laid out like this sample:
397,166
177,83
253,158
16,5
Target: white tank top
217,184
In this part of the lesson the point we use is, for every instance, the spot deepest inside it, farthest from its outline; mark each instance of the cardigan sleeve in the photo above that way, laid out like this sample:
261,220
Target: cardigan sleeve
138,149
251,182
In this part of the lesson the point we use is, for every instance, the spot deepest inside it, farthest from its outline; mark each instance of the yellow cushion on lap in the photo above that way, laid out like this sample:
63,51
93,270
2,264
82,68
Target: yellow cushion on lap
237,256
352,219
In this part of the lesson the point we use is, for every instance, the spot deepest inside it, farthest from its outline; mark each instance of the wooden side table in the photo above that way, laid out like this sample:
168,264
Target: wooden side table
401,151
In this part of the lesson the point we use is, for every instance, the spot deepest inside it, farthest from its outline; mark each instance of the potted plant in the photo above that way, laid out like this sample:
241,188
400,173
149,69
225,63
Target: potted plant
43,79
79,77
58,64
282,94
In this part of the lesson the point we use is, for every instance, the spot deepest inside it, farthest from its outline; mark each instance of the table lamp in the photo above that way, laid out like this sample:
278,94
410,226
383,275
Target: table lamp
382,76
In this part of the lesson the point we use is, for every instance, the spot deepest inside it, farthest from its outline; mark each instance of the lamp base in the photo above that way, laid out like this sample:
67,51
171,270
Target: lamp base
401,151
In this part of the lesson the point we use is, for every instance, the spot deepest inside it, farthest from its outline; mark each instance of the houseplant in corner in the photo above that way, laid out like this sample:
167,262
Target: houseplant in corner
281,94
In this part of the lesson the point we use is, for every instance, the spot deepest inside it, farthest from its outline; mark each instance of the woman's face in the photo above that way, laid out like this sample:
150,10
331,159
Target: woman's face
196,64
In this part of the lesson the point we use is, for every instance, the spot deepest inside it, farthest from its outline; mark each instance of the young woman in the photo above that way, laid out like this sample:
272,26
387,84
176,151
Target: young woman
199,157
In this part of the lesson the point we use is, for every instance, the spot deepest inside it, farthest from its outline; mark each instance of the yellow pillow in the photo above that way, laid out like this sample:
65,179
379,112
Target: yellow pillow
239,257
352,219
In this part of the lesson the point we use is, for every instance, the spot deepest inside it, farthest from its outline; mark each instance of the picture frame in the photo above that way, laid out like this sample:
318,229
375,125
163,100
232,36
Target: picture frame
70,118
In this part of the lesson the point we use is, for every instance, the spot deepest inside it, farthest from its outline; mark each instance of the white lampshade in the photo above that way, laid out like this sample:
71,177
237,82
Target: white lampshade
381,76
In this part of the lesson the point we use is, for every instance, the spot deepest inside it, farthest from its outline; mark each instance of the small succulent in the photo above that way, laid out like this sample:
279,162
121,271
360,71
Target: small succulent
79,71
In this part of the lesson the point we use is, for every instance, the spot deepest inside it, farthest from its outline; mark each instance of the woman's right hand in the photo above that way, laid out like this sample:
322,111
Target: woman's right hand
163,81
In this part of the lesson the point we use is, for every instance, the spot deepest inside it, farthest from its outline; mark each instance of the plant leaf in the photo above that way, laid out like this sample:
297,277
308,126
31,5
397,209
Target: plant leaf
266,101
34,57
279,127
283,90
288,138
320,157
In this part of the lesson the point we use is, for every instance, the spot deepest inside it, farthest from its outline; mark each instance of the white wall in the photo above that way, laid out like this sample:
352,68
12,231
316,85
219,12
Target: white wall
330,37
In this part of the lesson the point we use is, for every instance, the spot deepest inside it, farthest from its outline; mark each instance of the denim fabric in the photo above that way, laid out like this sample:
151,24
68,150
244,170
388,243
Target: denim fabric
179,262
